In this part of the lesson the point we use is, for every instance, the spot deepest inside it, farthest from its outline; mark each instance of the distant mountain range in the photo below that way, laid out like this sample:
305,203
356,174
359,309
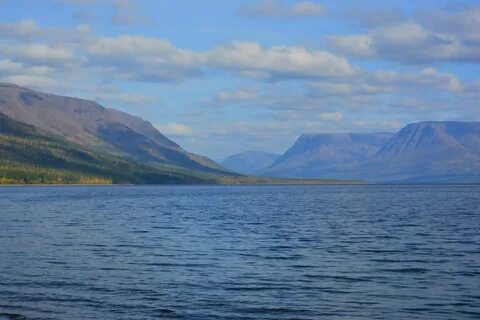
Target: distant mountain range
51,139
327,154
429,152
425,152
250,162
46,138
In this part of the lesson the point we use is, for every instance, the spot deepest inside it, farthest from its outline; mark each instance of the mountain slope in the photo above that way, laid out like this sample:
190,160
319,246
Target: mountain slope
424,152
89,124
428,152
317,155
250,162
29,156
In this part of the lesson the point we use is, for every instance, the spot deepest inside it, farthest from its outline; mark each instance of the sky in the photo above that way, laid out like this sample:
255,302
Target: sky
226,76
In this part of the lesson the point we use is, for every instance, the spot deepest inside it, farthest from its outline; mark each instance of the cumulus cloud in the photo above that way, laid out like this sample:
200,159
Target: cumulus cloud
29,30
175,129
130,99
38,53
437,36
370,91
278,9
426,79
9,67
331,116
143,58
279,62
22,29
157,60
150,59
349,88
32,81
381,125
225,97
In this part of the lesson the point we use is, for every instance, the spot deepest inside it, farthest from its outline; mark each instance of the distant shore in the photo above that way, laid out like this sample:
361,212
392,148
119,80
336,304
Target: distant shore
237,182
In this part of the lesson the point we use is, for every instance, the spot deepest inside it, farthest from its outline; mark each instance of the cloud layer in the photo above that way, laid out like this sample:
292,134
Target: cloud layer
434,37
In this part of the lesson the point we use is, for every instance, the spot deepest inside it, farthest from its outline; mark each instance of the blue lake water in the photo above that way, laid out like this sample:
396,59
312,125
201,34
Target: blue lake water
247,252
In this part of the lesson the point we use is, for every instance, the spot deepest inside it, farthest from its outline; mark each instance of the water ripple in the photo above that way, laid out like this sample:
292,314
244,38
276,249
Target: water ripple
258,252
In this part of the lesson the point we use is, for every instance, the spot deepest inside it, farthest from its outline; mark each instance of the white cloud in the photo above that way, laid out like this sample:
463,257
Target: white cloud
331,116
427,79
8,67
349,88
143,58
26,30
278,62
432,37
175,129
130,99
32,81
278,9
38,53
225,97
380,125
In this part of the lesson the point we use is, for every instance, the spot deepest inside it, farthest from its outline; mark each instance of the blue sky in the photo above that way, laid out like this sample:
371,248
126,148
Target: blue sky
221,77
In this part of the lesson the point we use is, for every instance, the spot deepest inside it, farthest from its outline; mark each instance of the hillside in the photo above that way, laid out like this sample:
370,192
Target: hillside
429,152
28,156
320,155
424,152
89,124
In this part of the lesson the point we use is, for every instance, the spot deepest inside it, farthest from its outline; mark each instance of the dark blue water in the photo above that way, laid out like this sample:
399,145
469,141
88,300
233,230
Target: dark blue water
340,252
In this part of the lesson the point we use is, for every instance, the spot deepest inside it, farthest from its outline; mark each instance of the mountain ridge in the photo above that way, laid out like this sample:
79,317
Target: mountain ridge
90,124
324,153
427,151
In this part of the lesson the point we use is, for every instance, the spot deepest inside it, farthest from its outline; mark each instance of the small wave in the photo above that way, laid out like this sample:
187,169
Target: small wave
406,270
11,316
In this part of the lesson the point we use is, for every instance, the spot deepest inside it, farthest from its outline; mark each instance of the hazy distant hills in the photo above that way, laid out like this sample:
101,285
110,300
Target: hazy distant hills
50,138
420,152
315,155
250,162
87,123
429,152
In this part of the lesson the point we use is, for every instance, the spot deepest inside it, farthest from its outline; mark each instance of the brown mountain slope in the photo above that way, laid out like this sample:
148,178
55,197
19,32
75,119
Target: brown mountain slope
90,124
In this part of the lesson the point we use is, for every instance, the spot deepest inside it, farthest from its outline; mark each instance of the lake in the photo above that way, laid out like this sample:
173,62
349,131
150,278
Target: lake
240,252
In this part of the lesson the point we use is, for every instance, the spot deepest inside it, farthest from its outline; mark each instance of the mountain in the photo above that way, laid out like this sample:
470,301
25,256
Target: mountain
30,156
424,152
445,151
91,125
249,162
320,155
